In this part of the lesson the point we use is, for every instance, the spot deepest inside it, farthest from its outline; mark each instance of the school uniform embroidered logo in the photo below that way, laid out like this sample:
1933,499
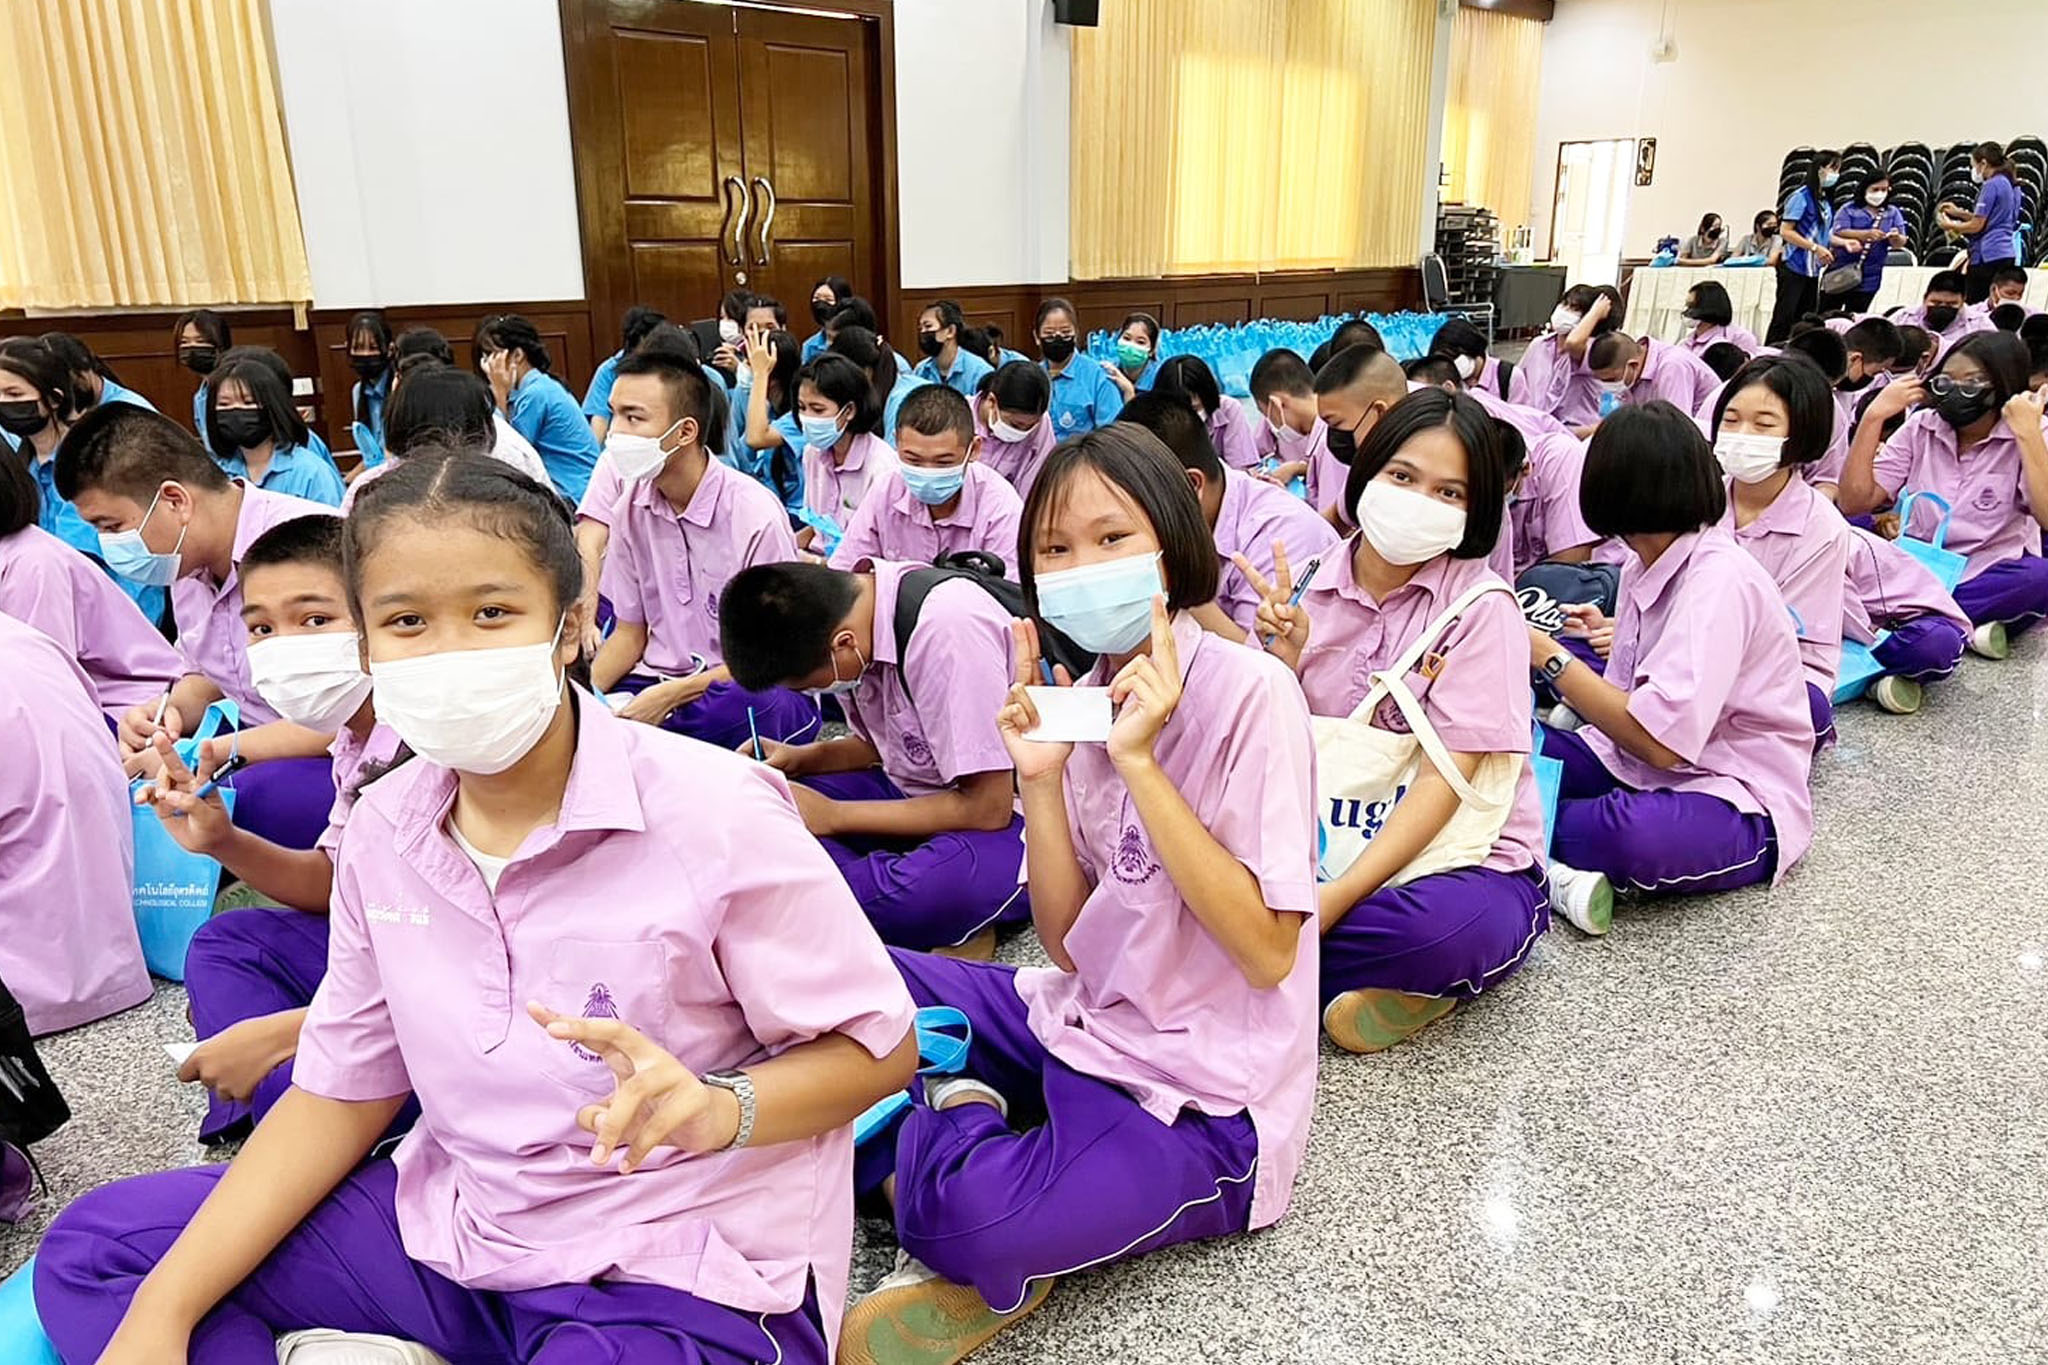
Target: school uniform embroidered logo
916,749
597,1005
1132,863
1987,499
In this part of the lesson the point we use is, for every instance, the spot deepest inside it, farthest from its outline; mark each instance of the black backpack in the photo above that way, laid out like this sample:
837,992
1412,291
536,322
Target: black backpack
1502,375
31,1108
985,571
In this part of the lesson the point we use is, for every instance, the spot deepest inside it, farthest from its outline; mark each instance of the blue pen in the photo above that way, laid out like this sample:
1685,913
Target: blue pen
1308,572
753,733
1045,669
226,770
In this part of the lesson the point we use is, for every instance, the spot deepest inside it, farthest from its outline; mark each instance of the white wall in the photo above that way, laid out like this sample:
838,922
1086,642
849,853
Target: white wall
430,144
1755,78
981,141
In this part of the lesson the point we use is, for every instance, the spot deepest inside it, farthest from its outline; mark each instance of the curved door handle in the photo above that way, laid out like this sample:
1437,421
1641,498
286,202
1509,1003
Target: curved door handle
762,187
739,227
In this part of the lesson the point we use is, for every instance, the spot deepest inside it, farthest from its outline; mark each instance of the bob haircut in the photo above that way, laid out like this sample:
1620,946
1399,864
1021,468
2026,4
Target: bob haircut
272,398
1135,463
36,365
1649,471
1808,398
439,404
212,327
2003,357
1819,344
1178,429
1711,305
1458,337
1486,480
1189,378
846,384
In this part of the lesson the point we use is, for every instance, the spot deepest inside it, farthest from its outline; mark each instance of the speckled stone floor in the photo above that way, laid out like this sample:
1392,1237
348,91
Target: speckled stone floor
1805,1125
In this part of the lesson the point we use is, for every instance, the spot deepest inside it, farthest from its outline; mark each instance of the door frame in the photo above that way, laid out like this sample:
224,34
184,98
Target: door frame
1557,181
582,27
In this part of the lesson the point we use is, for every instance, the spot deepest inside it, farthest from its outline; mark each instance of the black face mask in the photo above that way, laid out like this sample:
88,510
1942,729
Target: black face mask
1940,319
929,343
1959,409
242,428
23,418
1342,444
367,366
1692,315
1058,350
821,311
199,359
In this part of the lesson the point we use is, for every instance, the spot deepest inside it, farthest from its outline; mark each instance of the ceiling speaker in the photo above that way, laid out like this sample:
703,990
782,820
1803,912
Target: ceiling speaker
1081,13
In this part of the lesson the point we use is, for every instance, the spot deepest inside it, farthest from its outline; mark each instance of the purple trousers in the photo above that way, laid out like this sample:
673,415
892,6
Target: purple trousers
1924,649
933,894
1658,843
345,1268
286,800
1451,933
2015,592
1078,1175
1822,708
243,965
720,716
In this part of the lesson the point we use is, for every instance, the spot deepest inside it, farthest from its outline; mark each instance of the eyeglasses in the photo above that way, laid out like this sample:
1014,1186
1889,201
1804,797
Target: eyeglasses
1942,385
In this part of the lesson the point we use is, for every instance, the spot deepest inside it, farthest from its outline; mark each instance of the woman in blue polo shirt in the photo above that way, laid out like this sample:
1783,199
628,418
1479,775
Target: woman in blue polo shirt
1992,226
828,296
1806,221
202,336
369,355
1084,397
513,358
256,434
92,381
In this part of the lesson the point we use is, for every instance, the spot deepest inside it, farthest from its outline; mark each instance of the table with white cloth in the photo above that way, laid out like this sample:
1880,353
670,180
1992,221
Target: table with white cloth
1656,295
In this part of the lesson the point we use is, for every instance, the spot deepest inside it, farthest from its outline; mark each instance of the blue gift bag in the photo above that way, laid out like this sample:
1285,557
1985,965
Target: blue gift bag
1549,782
943,1037
175,887
1859,670
367,445
830,532
21,1332
1945,563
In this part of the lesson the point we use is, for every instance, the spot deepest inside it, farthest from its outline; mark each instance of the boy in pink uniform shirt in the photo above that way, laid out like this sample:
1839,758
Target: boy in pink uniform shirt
1691,773
940,499
1774,419
1551,376
168,516
844,454
68,946
1543,508
1009,417
915,806
1871,350
1427,488
1942,312
1645,370
1979,446
1292,442
1354,389
685,525
544,930
1154,1085
47,584
1188,379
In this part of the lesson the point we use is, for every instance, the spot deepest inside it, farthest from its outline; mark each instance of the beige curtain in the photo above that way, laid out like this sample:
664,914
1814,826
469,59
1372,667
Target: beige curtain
144,160
1490,117
1249,135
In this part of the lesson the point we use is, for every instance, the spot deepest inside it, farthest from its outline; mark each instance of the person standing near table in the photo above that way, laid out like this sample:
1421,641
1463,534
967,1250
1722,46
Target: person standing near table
1708,246
1990,226
1805,222
1869,230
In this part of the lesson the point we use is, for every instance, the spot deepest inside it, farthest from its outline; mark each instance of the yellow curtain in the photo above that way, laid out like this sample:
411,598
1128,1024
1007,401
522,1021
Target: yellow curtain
1252,135
1490,116
144,161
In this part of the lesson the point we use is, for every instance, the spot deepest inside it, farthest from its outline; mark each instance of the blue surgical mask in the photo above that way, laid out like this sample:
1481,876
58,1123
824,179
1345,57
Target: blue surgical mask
1105,608
934,487
839,686
128,556
822,432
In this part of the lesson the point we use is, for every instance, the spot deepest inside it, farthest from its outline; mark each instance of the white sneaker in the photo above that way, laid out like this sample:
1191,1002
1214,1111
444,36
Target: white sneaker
940,1092
1562,717
322,1347
918,1317
1900,696
1586,899
1989,641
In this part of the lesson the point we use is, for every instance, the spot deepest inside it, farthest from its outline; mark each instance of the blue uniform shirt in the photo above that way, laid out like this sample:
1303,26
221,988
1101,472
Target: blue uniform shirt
968,371
1009,355
1859,218
1999,205
545,413
295,470
1815,223
778,469
597,399
199,414
906,384
813,344
1083,398
371,402
112,391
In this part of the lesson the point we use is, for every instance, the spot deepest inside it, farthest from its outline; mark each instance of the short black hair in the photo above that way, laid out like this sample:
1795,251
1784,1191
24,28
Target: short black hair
1178,429
1146,321
773,305
854,312
2035,328
682,383
1914,344
1710,304
866,350
1650,471
1615,309
841,287
21,502
130,451
776,621
315,539
1823,347
1458,337
1434,370
1805,391
1137,464
1281,371
1486,479
1946,282
439,403
949,315
934,410
733,305
511,332
2009,274
1020,386
1756,224
1189,378
846,384
2009,317
1873,339
1612,348
667,339
76,356
789,359
272,398
2003,357
1724,358
421,341
369,325
2037,360
1513,446
1355,363
1356,332
638,321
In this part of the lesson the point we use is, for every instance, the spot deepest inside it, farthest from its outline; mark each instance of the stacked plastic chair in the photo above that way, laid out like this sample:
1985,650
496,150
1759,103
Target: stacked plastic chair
1860,165
1792,174
2029,158
1953,186
1911,167
1231,351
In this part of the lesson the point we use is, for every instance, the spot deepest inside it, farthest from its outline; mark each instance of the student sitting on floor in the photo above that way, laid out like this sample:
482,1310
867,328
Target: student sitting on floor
202,337
683,527
169,517
1407,932
1891,591
1011,419
1712,314
939,329
1638,370
892,383
515,362
1551,376
1942,312
1084,397
1137,355
915,805
93,381
1231,429
1979,445
1293,443
1691,773
1774,419
844,452
1871,351
370,356
767,441
1153,1086
1465,347
257,434
439,404
1354,389
572,939
597,399
939,499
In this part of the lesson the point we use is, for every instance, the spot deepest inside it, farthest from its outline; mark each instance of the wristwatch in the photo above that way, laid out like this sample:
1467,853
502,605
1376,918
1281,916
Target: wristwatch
1555,665
742,1087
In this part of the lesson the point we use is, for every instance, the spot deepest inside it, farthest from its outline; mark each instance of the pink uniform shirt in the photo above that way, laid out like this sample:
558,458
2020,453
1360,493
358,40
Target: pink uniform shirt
1706,650
932,714
1235,433
47,584
1987,488
837,490
1697,342
677,891
665,570
68,947
209,615
1531,423
1675,375
1967,321
1253,516
1803,544
1543,516
1479,702
1326,473
353,758
1888,587
1154,1004
893,524
601,495
1548,379
1017,461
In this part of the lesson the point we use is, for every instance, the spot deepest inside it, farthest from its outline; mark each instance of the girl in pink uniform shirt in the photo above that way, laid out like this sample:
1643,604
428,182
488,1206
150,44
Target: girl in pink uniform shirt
1153,1085
1010,411
1231,428
844,453
572,938
1428,491
1776,417
1691,773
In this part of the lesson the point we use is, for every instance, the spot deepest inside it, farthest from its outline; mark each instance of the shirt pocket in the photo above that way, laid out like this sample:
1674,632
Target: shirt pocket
625,980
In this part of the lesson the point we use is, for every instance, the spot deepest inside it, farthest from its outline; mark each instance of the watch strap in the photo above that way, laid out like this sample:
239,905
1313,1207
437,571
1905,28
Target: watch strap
742,1087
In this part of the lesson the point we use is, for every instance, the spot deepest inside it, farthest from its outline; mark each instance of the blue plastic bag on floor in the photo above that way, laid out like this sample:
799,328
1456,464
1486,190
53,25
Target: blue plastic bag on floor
175,887
1945,563
21,1332
1859,670
943,1037
1549,782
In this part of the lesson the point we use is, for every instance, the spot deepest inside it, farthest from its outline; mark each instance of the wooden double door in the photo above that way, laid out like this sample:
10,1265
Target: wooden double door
723,146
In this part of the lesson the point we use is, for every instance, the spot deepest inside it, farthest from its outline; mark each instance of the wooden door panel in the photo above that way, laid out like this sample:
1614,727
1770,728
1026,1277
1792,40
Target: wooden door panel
668,115
676,278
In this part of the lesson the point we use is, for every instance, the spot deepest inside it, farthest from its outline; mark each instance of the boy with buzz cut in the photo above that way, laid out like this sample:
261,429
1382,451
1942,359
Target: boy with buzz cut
939,499
1293,442
916,805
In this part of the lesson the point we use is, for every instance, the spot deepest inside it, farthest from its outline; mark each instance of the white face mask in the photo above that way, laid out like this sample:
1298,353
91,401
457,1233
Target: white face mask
1407,527
638,457
1616,387
1747,457
839,686
730,332
1467,366
1006,433
1875,198
312,680
473,710
1563,319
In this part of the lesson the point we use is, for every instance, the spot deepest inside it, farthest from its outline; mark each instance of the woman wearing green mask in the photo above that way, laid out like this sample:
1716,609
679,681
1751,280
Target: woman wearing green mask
1137,355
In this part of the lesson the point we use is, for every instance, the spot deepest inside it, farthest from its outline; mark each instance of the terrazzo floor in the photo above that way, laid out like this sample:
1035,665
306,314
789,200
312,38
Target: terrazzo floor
1801,1125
